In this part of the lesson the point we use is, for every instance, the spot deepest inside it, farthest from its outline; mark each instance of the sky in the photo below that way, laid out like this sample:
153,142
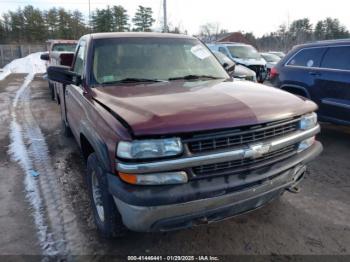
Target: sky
259,17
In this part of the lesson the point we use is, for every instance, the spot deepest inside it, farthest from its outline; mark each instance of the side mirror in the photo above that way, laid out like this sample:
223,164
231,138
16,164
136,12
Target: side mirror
229,67
63,75
45,57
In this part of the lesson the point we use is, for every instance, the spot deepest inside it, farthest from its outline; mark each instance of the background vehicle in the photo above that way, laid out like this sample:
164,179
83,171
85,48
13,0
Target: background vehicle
54,57
319,71
243,54
170,140
277,53
271,61
239,72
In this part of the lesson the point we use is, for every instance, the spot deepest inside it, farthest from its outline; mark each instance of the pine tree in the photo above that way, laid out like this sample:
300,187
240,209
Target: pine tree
34,25
63,30
17,27
143,19
301,30
330,29
51,21
77,25
102,20
7,29
2,31
108,20
120,19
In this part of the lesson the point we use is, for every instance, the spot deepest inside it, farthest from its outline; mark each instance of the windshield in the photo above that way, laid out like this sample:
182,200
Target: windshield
152,58
244,51
64,47
222,58
271,58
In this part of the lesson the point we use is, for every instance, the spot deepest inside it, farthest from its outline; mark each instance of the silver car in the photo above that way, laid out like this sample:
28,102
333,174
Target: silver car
278,53
238,71
243,54
271,61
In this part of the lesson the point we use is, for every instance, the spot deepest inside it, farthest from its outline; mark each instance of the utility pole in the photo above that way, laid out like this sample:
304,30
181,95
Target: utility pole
90,28
165,28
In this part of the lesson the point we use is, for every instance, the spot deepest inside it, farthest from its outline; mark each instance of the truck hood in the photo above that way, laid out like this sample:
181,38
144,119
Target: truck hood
249,62
180,107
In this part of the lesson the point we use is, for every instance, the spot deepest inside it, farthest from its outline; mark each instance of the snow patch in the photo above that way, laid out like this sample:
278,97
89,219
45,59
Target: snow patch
23,87
19,153
31,64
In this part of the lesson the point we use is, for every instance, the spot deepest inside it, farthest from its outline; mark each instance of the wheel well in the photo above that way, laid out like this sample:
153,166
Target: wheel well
296,91
86,147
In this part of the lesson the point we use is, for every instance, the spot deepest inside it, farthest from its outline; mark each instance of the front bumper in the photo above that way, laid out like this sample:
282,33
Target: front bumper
238,154
168,208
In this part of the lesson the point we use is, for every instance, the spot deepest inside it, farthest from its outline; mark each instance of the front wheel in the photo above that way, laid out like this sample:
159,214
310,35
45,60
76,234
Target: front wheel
66,129
52,91
105,213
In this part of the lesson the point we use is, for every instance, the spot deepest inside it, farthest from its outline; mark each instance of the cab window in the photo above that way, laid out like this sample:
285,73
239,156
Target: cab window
79,61
310,57
337,58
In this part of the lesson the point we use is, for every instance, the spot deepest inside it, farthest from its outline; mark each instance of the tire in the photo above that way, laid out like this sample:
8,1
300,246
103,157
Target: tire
66,129
261,79
268,74
109,224
52,91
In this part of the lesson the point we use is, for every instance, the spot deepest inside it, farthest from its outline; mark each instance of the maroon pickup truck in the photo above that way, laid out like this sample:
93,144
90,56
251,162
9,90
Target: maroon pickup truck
170,140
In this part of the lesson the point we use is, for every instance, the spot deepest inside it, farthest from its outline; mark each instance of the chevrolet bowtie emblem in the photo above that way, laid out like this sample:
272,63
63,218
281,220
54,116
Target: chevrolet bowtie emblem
256,151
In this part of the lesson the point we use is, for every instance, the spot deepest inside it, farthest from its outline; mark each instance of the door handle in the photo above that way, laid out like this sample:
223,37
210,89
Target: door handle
314,73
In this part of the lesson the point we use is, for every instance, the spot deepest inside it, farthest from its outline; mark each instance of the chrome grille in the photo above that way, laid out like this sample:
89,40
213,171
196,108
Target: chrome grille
230,139
244,165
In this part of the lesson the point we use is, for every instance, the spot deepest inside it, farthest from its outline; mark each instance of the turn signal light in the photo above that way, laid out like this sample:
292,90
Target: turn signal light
128,178
167,178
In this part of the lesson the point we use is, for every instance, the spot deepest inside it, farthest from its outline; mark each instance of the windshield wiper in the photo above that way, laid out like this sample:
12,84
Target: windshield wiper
194,77
133,80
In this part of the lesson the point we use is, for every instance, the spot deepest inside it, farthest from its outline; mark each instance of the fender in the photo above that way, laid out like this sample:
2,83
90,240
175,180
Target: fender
297,87
97,144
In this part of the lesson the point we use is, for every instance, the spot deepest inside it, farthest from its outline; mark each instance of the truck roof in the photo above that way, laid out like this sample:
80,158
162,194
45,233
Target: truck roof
61,41
231,43
136,34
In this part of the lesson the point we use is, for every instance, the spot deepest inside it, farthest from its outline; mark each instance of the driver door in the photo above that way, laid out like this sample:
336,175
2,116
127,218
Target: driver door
74,94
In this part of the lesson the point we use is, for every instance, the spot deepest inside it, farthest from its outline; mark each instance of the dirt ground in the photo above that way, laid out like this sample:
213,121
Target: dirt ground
315,221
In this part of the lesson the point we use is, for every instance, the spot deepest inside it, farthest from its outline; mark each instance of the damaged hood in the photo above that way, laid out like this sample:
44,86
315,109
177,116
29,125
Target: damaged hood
179,107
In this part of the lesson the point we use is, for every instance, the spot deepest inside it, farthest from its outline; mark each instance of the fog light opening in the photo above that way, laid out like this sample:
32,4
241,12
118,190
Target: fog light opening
305,144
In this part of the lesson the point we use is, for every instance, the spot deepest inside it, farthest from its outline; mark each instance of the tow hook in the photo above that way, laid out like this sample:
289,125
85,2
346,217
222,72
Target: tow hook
294,189
297,179
202,221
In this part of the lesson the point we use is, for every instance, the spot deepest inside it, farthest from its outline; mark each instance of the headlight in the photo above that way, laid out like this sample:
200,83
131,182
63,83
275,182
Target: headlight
308,121
153,148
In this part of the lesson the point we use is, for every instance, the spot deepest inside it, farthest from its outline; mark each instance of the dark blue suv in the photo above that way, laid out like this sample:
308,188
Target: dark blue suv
319,71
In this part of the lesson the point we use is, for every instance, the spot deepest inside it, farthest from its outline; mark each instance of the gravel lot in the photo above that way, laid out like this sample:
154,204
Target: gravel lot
315,221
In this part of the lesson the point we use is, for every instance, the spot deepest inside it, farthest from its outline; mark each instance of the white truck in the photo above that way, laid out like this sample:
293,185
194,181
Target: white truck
243,54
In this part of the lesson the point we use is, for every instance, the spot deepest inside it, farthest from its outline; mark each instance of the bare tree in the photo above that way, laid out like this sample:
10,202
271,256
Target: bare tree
210,32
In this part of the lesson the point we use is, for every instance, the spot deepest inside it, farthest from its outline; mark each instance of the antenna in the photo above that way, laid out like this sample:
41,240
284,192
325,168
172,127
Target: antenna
165,28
